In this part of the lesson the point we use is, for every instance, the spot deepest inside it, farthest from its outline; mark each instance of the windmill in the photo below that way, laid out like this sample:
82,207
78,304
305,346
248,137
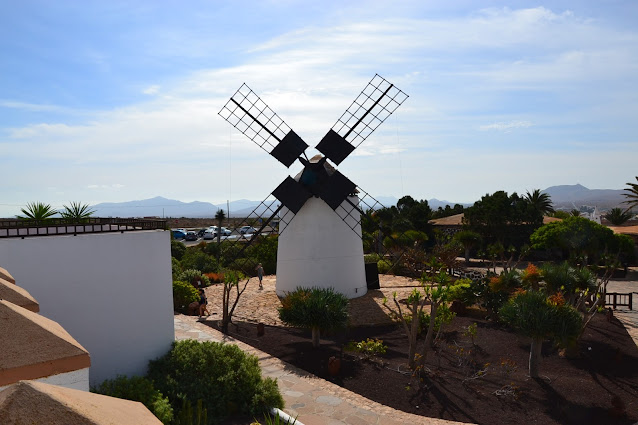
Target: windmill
315,249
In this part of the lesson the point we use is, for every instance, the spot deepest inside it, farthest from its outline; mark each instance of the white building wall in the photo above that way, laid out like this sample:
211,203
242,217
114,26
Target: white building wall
76,380
318,249
111,291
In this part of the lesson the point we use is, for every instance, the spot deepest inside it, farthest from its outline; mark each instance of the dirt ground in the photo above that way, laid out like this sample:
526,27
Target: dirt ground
485,383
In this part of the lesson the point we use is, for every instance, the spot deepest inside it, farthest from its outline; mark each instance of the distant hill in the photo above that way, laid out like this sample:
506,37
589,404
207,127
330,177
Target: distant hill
163,207
566,196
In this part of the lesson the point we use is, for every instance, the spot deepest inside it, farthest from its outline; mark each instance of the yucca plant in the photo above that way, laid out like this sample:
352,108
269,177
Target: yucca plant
37,211
316,309
77,211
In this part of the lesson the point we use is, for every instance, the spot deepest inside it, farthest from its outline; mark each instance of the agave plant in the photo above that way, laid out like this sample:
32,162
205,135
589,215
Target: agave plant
77,211
37,211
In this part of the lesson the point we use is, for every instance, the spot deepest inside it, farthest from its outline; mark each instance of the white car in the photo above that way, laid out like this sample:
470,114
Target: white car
210,234
247,229
226,232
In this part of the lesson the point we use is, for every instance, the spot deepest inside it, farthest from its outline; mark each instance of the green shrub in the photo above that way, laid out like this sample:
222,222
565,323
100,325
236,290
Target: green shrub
140,389
176,267
462,290
194,258
371,258
192,275
183,294
177,249
369,347
384,266
226,379
316,309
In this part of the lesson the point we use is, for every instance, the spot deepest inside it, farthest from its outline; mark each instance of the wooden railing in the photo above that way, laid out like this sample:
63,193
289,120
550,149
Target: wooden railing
616,299
12,228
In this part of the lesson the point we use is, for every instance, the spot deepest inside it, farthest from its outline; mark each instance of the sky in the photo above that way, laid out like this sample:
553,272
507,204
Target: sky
112,101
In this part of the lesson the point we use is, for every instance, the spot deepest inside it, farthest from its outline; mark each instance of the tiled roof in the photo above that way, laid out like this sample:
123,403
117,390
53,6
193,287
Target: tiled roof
4,274
39,404
17,295
35,347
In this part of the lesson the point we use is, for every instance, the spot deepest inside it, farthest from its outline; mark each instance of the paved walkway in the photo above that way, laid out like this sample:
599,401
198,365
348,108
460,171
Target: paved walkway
312,400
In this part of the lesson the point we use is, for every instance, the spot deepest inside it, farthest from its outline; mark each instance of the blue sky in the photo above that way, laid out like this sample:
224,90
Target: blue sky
116,101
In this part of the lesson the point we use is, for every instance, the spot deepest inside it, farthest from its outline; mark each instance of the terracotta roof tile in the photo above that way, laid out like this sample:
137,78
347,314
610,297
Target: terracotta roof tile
6,275
61,406
18,296
35,347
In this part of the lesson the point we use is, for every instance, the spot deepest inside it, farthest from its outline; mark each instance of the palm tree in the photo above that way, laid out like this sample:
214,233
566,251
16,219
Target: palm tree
37,211
219,216
631,195
617,216
541,202
77,211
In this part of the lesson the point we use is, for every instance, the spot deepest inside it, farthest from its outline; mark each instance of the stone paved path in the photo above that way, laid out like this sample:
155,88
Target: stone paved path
628,317
312,400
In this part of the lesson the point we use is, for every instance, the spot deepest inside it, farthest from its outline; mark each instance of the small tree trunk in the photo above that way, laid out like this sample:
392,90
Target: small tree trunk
430,335
315,337
414,331
535,356
467,255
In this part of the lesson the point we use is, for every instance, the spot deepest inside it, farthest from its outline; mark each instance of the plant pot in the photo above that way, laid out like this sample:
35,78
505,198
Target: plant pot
334,366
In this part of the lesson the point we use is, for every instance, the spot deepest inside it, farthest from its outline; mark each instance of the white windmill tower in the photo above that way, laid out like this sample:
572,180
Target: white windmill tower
322,246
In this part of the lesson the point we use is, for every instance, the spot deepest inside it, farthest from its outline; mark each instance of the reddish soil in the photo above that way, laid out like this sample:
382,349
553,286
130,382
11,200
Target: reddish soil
600,386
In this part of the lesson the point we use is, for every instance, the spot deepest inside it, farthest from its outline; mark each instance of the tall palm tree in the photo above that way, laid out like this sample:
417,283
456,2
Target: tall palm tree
631,195
541,202
37,211
77,211
219,216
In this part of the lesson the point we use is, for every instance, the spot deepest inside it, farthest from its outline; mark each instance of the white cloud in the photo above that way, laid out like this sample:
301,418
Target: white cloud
151,90
506,126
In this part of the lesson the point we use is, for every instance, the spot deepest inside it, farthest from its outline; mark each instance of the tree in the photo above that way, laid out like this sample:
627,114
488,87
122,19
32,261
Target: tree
617,216
77,211
540,202
631,195
469,240
37,211
219,216
583,240
231,280
318,309
533,315
508,219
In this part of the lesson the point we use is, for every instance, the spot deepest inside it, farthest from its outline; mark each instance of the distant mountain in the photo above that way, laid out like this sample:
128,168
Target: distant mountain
163,207
568,196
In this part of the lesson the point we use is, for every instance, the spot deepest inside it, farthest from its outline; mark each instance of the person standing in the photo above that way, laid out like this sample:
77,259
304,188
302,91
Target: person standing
260,274
203,304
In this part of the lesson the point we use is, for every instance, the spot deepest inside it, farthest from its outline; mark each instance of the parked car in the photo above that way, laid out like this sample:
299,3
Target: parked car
210,234
191,236
226,232
200,233
247,229
178,234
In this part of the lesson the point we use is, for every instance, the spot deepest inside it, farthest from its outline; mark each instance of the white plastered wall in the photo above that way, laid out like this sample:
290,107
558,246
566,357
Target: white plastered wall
76,380
111,291
318,249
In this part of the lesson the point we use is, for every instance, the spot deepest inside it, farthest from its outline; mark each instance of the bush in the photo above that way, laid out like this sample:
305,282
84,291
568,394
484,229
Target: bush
384,266
137,388
196,259
177,249
183,294
192,276
226,379
176,267
462,291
